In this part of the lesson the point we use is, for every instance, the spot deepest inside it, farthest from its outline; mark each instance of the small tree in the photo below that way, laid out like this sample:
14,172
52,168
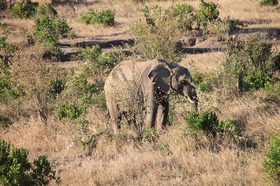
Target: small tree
15,168
271,163
248,60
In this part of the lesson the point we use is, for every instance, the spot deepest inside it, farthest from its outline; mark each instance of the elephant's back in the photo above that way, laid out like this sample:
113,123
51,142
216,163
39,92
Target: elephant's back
123,80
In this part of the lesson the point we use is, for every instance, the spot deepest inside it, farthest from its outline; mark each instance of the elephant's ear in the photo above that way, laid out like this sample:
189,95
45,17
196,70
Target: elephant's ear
160,76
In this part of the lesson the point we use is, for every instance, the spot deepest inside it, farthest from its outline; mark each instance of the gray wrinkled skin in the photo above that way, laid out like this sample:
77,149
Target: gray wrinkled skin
139,91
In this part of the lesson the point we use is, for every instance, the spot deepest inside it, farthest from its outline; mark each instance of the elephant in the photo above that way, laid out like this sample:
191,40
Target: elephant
139,91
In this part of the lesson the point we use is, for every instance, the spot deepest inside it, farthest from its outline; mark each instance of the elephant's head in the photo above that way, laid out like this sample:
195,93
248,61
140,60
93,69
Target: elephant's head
171,75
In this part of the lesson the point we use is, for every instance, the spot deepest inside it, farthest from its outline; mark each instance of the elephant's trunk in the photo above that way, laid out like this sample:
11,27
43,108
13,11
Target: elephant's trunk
195,106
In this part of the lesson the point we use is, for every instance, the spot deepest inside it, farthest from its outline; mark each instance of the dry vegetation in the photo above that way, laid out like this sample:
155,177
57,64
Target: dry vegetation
96,157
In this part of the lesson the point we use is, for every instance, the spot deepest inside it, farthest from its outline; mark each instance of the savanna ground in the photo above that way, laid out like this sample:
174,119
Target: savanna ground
96,157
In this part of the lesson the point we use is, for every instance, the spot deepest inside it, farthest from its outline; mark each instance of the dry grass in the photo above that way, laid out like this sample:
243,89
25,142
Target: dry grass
174,159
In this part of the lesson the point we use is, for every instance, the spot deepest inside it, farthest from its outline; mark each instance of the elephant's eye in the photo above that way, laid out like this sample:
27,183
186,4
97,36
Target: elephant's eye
183,82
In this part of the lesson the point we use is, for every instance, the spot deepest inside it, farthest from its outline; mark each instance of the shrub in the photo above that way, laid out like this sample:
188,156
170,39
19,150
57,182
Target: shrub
203,82
183,14
229,128
249,62
46,9
70,110
17,170
6,47
5,121
91,53
273,87
49,30
205,86
256,81
105,17
158,38
56,87
8,90
99,60
274,63
24,10
271,163
109,60
268,2
208,123
207,11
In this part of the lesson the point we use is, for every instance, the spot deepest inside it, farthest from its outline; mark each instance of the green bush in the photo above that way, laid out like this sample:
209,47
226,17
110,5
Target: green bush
184,15
274,63
109,60
268,2
256,81
46,9
208,123
202,82
271,163
91,53
205,86
6,48
249,61
49,30
273,87
105,17
8,91
56,87
99,60
24,10
207,11
52,52
70,110
5,122
229,128
17,170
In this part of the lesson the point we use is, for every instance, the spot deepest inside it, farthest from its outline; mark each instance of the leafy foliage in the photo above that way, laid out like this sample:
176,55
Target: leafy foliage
157,38
46,9
251,62
100,60
17,170
207,11
56,87
49,30
184,15
8,90
5,121
203,83
24,9
271,163
105,17
269,2
208,123
70,110
6,47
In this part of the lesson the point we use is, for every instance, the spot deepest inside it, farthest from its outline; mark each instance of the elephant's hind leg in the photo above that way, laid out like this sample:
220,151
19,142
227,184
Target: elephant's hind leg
115,116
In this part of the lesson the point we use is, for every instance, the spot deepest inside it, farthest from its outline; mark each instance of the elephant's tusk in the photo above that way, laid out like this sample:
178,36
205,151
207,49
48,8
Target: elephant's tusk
190,100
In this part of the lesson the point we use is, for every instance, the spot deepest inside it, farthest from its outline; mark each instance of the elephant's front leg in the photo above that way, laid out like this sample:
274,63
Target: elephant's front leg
162,114
151,111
